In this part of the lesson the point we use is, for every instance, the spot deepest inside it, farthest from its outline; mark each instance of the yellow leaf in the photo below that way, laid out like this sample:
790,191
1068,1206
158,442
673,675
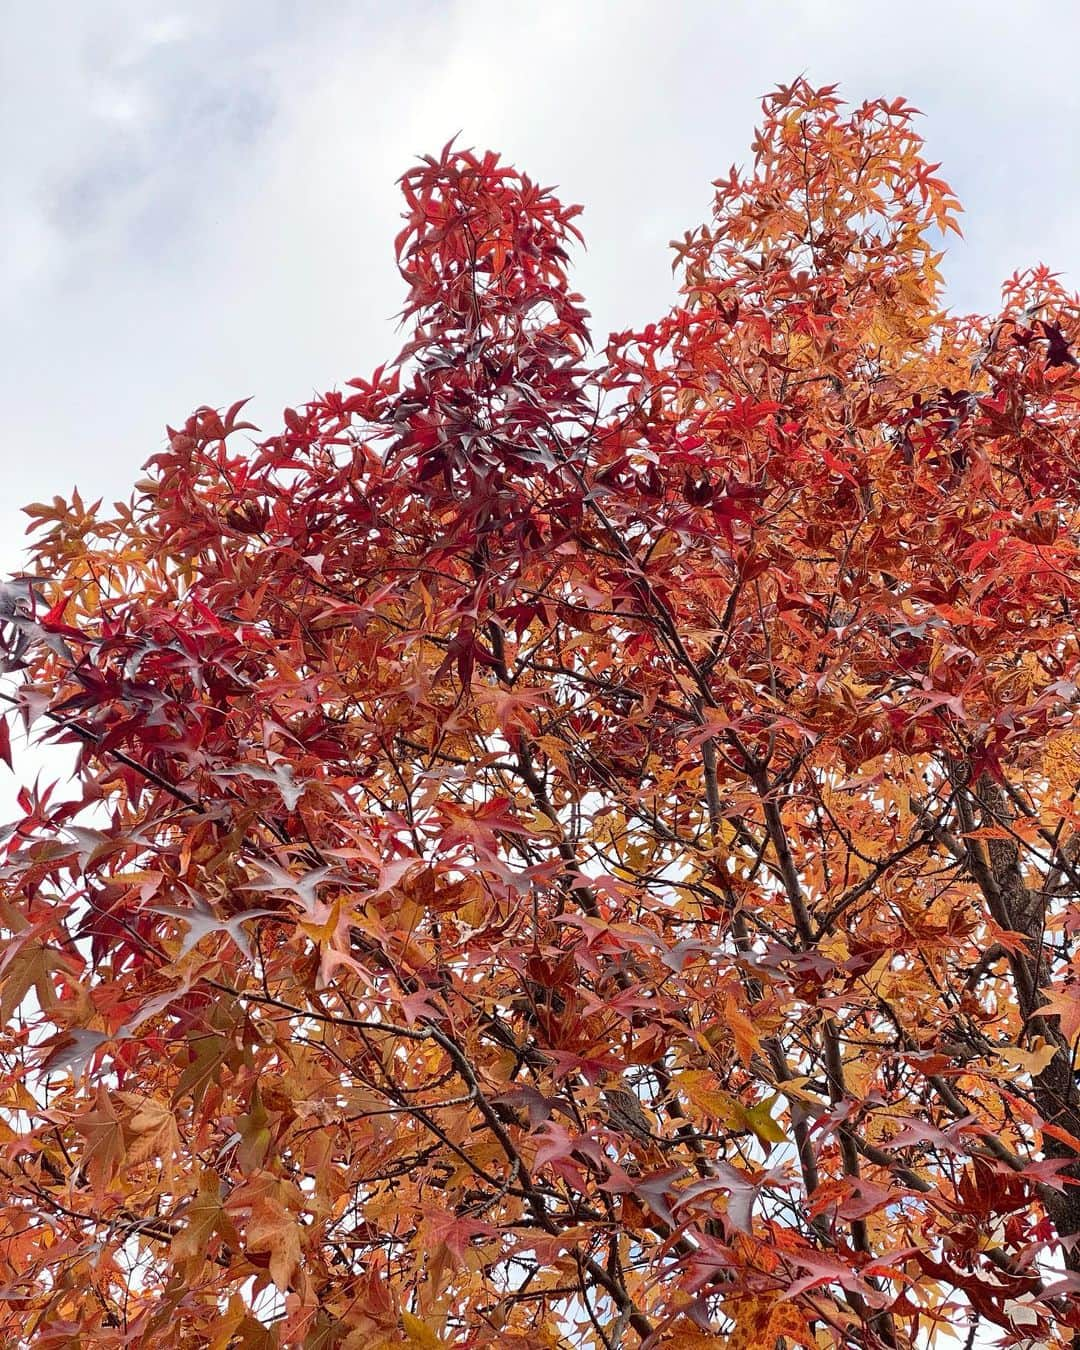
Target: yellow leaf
743,1032
419,1333
699,1089
1061,760
761,1122
761,1321
691,1339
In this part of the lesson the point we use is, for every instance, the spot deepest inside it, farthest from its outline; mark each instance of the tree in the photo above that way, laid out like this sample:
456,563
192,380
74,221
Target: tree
571,847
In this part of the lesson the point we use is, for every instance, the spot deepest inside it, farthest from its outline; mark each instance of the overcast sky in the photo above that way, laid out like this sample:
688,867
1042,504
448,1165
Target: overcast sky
199,199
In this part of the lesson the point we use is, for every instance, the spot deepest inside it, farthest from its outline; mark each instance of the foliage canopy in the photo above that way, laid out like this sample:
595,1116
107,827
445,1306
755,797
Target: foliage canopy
572,847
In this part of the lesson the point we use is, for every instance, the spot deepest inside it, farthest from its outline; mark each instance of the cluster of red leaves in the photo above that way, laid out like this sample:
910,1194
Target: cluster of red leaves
572,850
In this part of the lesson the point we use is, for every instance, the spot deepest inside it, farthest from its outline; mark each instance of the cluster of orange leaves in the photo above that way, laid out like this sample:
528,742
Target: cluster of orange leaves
571,847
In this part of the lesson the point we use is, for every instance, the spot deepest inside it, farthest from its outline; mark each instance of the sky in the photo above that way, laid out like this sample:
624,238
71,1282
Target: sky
199,199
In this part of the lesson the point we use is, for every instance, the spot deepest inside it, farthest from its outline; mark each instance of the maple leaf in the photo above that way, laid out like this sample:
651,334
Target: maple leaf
1063,1002
279,773
71,1051
203,1217
267,1207
150,1134
419,1333
201,921
304,888
104,1153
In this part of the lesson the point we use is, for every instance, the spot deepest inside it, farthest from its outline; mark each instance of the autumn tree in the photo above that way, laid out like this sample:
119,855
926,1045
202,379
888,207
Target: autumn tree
571,846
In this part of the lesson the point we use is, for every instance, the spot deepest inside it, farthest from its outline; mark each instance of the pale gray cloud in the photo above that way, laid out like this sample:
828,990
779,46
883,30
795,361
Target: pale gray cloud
199,198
